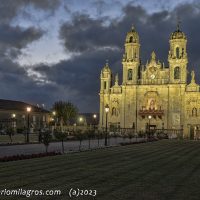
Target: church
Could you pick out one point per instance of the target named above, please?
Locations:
(151, 95)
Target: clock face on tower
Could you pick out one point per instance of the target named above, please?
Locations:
(152, 72)
(152, 76)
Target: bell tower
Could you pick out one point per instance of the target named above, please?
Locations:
(131, 57)
(177, 57)
(105, 86)
(106, 77)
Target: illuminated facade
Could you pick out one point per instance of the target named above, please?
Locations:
(151, 90)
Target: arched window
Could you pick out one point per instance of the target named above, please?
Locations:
(105, 85)
(182, 52)
(131, 39)
(194, 112)
(130, 74)
(177, 73)
(177, 52)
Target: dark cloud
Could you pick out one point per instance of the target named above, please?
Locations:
(15, 84)
(13, 39)
(84, 33)
(15, 81)
(80, 76)
(9, 8)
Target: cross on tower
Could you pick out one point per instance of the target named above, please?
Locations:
(106, 62)
(178, 23)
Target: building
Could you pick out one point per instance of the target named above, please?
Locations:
(13, 114)
(151, 95)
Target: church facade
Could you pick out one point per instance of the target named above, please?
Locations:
(151, 94)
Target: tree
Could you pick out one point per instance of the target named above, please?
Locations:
(115, 136)
(79, 136)
(10, 132)
(90, 134)
(60, 136)
(136, 136)
(124, 136)
(65, 111)
(99, 135)
(130, 136)
(46, 139)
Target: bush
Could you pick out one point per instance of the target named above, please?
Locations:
(46, 138)
(21, 130)
(139, 142)
(23, 157)
(61, 137)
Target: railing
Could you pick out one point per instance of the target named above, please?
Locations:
(153, 81)
(151, 112)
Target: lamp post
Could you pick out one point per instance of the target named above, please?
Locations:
(13, 120)
(74, 127)
(94, 117)
(28, 109)
(149, 122)
(106, 110)
(80, 120)
(54, 115)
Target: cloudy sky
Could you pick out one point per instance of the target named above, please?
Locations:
(54, 49)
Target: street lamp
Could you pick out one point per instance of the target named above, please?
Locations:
(28, 109)
(74, 127)
(80, 120)
(13, 120)
(149, 122)
(94, 117)
(54, 119)
(106, 110)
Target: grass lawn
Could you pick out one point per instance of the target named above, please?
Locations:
(164, 170)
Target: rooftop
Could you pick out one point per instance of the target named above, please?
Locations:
(19, 106)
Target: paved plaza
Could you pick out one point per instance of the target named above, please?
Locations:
(57, 146)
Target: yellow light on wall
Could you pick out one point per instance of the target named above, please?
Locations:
(107, 108)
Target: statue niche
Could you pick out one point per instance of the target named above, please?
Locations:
(151, 105)
(130, 74)
(177, 73)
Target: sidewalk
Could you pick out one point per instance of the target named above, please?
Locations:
(57, 146)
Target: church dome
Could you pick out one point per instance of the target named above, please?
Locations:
(178, 34)
(132, 36)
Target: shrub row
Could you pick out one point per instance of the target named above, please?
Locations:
(23, 157)
(138, 142)
(18, 143)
